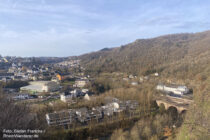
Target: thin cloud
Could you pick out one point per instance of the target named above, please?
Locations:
(67, 27)
(46, 10)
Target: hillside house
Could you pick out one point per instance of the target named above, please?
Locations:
(59, 77)
(12, 70)
(81, 83)
(21, 97)
(6, 75)
(125, 79)
(87, 97)
(156, 74)
(134, 83)
(55, 79)
(131, 76)
(141, 79)
(62, 76)
(77, 93)
(66, 97)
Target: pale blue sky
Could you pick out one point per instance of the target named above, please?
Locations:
(74, 27)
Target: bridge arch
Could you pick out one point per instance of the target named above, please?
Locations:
(168, 105)
(162, 107)
(173, 112)
(172, 109)
(183, 111)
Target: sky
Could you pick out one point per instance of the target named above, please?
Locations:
(74, 27)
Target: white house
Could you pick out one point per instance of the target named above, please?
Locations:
(141, 79)
(86, 97)
(156, 74)
(134, 83)
(125, 79)
(85, 90)
(131, 76)
(65, 97)
(75, 92)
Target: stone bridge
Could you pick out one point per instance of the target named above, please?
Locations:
(179, 103)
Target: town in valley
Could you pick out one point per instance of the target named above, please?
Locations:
(54, 81)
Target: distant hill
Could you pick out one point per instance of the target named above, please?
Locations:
(106, 49)
(145, 56)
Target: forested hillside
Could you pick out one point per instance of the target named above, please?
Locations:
(181, 57)
(148, 55)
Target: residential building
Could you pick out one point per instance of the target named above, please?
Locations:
(85, 90)
(66, 97)
(66, 117)
(61, 76)
(134, 83)
(21, 97)
(81, 83)
(87, 97)
(76, 93)
(55, 79)
(125, 79)
(141, 79)
(7, 75)
(156, 74)
(131, 76)
(85, 115)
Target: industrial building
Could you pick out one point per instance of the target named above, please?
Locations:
(178, 90)
(41, 86)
